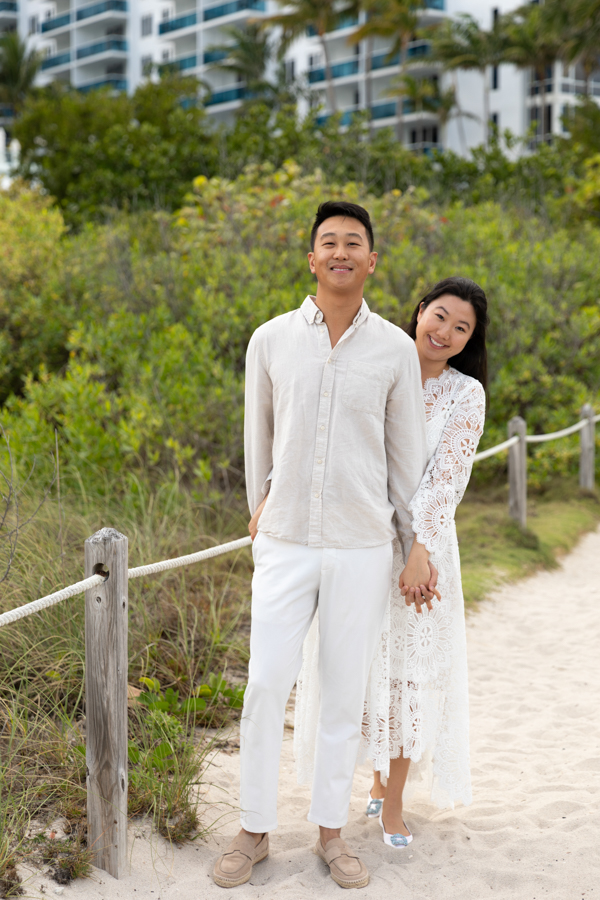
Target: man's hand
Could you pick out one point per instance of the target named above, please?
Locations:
(419, 578)
(253, 523)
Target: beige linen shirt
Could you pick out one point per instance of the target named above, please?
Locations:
(341, 432)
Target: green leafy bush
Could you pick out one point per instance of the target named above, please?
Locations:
(165, 306)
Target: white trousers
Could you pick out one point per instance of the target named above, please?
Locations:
(351, 588)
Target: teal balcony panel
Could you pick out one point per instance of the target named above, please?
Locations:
(56, 22)
(383, 110)
(338, 70)
(8, 6)
(112, 45)
(212, 56)
(345, 22)
(226, 96)
(179, 65)
(227, 9)
(418, 51)
(59, 60)
(383, 60)
(180, 22)
(435, 4)
(117, 84)
(96, 9)
(346, 118)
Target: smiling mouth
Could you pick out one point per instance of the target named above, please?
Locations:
(341, 269)
(435, 344)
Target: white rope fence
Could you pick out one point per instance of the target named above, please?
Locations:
(154, 568)
(81, 586)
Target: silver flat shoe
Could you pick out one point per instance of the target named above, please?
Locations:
(398, 841)
(373, 807)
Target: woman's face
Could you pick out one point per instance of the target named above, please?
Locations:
(444, 327)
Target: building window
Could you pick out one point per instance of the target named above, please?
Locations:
(290, 70)
(146, 25)
(495, 16)
(146, 66)
(166, 55)
(495, 120)
(34, 24)
(495, 78)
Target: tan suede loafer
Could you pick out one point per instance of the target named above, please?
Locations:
(235, 865)
(344, 865)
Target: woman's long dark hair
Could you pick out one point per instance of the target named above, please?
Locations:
(472, 360)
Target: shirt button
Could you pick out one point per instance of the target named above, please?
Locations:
(322, 427)
(328, 361)
(317, 496)
(320, 461)
(326, 393)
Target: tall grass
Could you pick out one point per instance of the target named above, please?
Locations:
(184, 625)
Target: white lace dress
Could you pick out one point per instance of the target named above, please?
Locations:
(417, 697)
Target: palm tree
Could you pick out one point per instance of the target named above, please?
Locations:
(447, 108)
(321, 15)
(396, 20)
(461, 44)
(247, 54)
(579, 21)
(18, 69)
(375, 10)
(532, 43)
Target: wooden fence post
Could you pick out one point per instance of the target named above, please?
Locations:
(587, 438)
(517, 472)
(106, 660)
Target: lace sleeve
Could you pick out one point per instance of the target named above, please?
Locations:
(449, 469)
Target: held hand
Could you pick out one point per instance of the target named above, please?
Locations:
(253, 523)
(419, 578)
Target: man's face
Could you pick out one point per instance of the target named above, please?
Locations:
(341, 259)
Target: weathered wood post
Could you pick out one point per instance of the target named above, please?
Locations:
(587, 438)
(106, 609)
(517, 472)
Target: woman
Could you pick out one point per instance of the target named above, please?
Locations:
(416, 711)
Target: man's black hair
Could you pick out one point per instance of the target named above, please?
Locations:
(342, 208)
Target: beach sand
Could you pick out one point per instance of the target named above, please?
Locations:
(533, 829)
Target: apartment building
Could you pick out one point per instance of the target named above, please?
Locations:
(120, 43)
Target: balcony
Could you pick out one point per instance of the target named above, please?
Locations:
(8, 6)
(345, 22)
(117, 84)
(61, 59)
(338, 70)
(96, 9)
(228, 9)
(383, 60)
(213, 56)
(417, 50)
(383, 110)
(346, 118)
(176, 24)
(237, 93)
(56, 22)
(112, 45)
(179, 65)
(435, 4)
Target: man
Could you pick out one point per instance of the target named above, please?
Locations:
(335, 436)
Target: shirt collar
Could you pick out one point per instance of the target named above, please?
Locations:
(312, 313)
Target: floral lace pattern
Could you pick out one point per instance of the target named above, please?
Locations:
(417, 697)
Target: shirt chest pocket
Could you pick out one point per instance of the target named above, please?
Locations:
(366, 388)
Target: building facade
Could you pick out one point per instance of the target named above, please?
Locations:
(120, 43)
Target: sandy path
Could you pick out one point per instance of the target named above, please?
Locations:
(532, 830)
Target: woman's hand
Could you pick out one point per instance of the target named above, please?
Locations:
(416, 578)
(253, 523)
